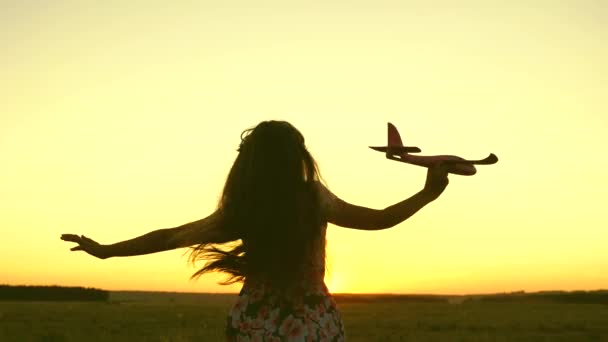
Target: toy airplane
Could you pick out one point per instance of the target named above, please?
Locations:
(396, 151)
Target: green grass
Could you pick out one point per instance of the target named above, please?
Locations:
(191, 317)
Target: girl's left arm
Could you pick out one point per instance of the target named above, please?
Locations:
(207, 230)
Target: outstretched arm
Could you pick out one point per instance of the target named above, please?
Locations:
(206, 230)
(348, 215)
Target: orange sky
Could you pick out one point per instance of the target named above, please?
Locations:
(121, 118)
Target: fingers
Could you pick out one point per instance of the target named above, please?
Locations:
(84, 243)
(70, 237)
(441, 168)
(77, 238)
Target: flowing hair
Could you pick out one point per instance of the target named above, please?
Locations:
(271, 202)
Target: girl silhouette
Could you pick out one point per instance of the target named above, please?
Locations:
(268, 232)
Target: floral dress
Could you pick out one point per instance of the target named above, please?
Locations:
(263, 314)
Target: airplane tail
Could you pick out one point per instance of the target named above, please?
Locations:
(394, 139)
(395, 145)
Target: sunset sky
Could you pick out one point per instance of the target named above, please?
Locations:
(118, 118)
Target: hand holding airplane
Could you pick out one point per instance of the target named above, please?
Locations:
(456, 165)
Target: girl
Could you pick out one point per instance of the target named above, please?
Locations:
(268, 232)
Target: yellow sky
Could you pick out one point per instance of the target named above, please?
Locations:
(120, 118)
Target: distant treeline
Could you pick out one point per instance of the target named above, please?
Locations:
(576, 297)
(414, 298)
(52, 293)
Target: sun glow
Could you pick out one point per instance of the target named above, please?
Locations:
(334, 282)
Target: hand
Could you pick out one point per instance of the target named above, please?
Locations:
(87, 245)
(436, 180)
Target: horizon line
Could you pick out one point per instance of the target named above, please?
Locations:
(336, 293)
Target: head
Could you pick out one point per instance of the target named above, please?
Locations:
(271, 202)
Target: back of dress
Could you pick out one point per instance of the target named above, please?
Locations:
(304, 311)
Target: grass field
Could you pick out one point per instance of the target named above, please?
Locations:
(133, 316)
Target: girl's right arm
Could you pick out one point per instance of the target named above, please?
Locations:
(349, 215)
(206, 230)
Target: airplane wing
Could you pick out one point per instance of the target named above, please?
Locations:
(396, 149)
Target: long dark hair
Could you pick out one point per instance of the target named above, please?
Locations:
(271, 202)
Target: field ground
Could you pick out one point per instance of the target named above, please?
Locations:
(133, 316)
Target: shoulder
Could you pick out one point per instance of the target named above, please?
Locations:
(327, 199)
